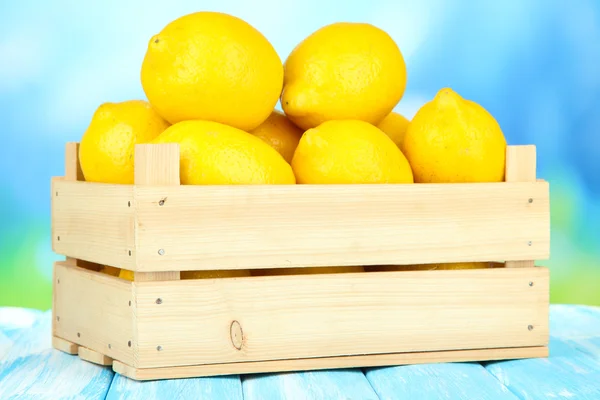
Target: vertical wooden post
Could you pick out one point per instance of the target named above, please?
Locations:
(520, 167)
(156, 164)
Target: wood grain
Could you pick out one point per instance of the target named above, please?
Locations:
(156, 165)
(94, 310)
(282, 366)
(521, 167)
(93, 356)
(238, 227)
(331, 385)
(324, 315)
(94, 222)
(64, 345)
(443, 381)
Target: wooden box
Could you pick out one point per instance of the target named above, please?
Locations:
(159, 326)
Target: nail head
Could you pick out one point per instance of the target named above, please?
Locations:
(530, 200)
(129, 343)
(109, 346)
(78, 334)
(529, 243)
(530, 327)
(161, 203)
(161, 252)
(159, 301)
(530, 283)
(159, 348)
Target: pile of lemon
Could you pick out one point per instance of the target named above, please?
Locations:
(213, 82)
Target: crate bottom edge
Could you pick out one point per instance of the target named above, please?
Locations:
(322, 363)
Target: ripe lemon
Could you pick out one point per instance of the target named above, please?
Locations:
(279, 133)
(452, 139)
(343, 71)
(230, 273)
(126, 274)
(395, 126)
(349, 151)
(215, 154)
(107, 269)
(306, 270)
(212, 66)
(430, 267)
(107, 146)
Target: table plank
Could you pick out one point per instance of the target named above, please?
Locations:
(573, 321)
(327, 384)
(437, 381)
(573, 369)
(31, 369)
(226, 387)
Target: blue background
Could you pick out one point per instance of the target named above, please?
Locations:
(535, 65)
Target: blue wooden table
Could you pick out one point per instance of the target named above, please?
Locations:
(31, 369)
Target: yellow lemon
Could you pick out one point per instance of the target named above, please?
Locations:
(343, 71)
(107, 147)
(107, 269)
(230, 273)
(215, 154)
(306, 270)
(280, 133)
(212, 66)
(349, 151)
(126, 274)
(395, 126)
(452, 139)
(430, 267)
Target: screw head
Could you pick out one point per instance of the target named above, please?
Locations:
(159, 348)
(530, 201)
(529, 243)
(530, 327)
(161, 252)
(159, 301)
(530, 283)
(161, 203)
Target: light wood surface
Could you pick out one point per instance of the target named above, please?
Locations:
(238, 227)
(328, 363)
(323, 315)
(156, 165)
(521, 167)
(94, 310)
(93, 356)
(64, 345)
(94, 222)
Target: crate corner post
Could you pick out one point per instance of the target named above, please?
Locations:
(158, 165)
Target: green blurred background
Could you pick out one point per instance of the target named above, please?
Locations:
(533, 64)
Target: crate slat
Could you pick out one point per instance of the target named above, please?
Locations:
(308, 364)
(284, 317)
(93, 310)
(229, 227)
(94, 222)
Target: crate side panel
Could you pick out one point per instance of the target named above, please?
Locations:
(94, 222)
(283, 317)
(93, 310)
(220, 227)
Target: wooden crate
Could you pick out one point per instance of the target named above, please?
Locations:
(159, 326)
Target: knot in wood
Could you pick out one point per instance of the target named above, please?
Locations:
(237, 335)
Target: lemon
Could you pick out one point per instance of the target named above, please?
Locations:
(215, 154)
(395, 126)
(343, 71)
(230, 273)
(126, 274)
(107, 146)
(107, 269)
(451, 139)
(349, 151)
(279, 133)
(212, 66)
(430, 267)
(306, 270)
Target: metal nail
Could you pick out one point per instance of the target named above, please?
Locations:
(529, 243)
(159, 348)
(530, 327)
(530, 200)
(159, 301)
(161, 252)
(129, 343)
(530, 283)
